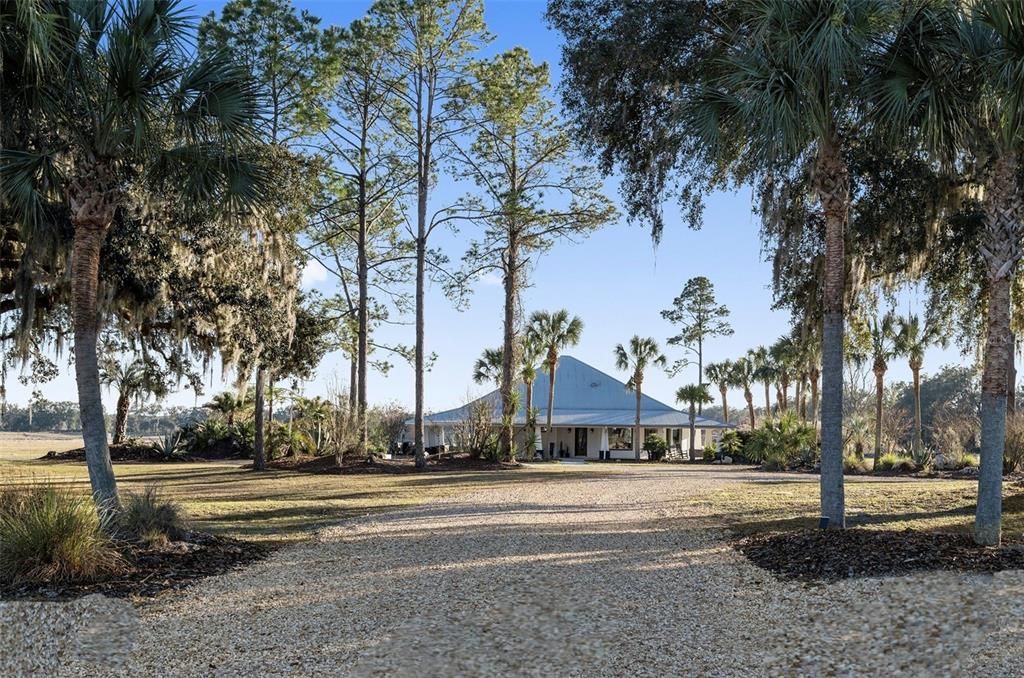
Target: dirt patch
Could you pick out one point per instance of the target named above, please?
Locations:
(830, 555)
(357, 465)
(153, 571)
(132, 450)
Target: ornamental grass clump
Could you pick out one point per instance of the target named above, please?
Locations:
(896, 463)
(149, 518)
(51, 534)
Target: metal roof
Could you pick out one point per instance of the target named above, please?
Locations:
(584, 396)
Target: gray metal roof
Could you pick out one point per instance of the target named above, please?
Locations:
(584, 396)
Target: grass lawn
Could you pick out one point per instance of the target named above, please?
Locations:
(779, 503)
(228, 499)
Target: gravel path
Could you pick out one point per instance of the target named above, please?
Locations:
(583, 574)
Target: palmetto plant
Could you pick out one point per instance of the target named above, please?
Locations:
(553, 332)
(641, 353)
(954, 79)
(911, 341)
(693, 394)
(112, 107)
(721, 375)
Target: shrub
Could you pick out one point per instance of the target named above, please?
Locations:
(895, 462)
(731, 443)
(50, 534)
(710, 451)
(969, 460)
(149, 518)
(1013, 450)
(786, 441)
(656, 447)
(854, 464)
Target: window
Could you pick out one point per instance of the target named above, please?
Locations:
(677, 438)
(620, 439)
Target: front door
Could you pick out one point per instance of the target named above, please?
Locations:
(581, 442)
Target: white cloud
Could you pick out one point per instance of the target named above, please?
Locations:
(313, 273)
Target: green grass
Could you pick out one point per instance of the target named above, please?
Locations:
(875, 503)
(226, 498)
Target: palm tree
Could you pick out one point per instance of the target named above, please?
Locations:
(882, 332)
(720, 374)
(134, 381)
(529, 363)
(693, 394)
(953, 80)
(912, 340)
(764, 372)
(743, 376)
(228, 405)
(552, 332)
(781, 97)
(783, 353)
(643, 352)
(488, 366)
(121, 91)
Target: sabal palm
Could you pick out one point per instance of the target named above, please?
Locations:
(553, 332)
(640, 354)
(693, 394)
(911, 341)
(488, 366)
(720, 374)
(532, 351)
(882, 333)
(783, 93)
(109, 99)
(954, 79)
(764, 372)
(133, 381)
(785, 359)
(743, 376)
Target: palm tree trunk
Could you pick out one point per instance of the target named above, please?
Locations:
(85, 274)
(767, 399)
(553, 362)
(693, 432)
(918, 440)
(725, 406)
(833, 188)
(749, 397)
(121, 418)
(531, 428)
(1001, 248)
(879, 393)
(259, 461)
(638, 437)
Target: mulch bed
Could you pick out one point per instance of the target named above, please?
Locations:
(361, 465)
(122, 452)
(830, 555)
(154, 571)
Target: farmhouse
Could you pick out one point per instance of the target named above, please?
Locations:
(593, 417)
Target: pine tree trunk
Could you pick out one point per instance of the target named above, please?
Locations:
(421, 265)
(353, 388)
(531, 428)
(508, 358)
(1001, 247)
(833, 190)
(363, 331)
(259, 457)
(91, 219)
(700, 369)
(879, 394)
(270, 413)
(121, 418)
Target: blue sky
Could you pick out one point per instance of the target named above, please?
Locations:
(616, 281)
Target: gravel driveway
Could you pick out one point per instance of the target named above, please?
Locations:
(585, 573)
